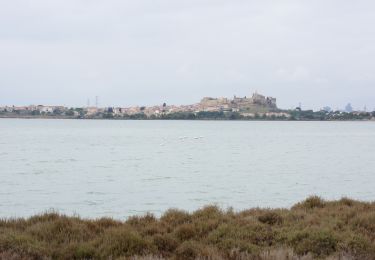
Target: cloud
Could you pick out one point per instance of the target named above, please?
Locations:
(145, 51)
(296, 74)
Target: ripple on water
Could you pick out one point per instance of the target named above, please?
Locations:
(96, 193)
(43, 161)
(103, 166)
(6, 193)
(59, 161)
(198, 200)
(91, 202)
(201, 191)
(157, 179)
(37, 172)
(10, 183)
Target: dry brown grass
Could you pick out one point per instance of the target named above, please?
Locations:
(312, 229)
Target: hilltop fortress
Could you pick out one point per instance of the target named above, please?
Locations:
(255, 104)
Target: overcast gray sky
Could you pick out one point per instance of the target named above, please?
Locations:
(143, 52)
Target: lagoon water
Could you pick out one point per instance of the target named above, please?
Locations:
(99, 168)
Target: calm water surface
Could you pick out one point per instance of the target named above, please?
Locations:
(121, 168)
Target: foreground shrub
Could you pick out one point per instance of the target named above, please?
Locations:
(81, 251)
(22, 245)
(208, 212)
(174, 217)
(60, 231)
(122, 242)
(311, 203)
(359, 246)
(311, 229)
(347, 202)
(365, 222)
(319, 243)
(270, 218)
(188, 250)
(185, 232)
(166, 243)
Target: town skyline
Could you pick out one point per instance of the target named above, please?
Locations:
(95, 101)
(218, 105)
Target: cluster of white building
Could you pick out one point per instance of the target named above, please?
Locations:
(31, 108)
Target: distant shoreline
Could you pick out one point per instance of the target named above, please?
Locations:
(256, 107)
(180, 119)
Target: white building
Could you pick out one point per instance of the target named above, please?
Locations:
(46, 109)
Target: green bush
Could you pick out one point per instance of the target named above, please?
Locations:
(185, 232)
(311, 203)
(359, 246)
(122, 242)
(270, 218)
(319, 243)
(188, 250)
(174, 217)
(165, 243)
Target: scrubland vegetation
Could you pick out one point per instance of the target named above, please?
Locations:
(312, 229)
